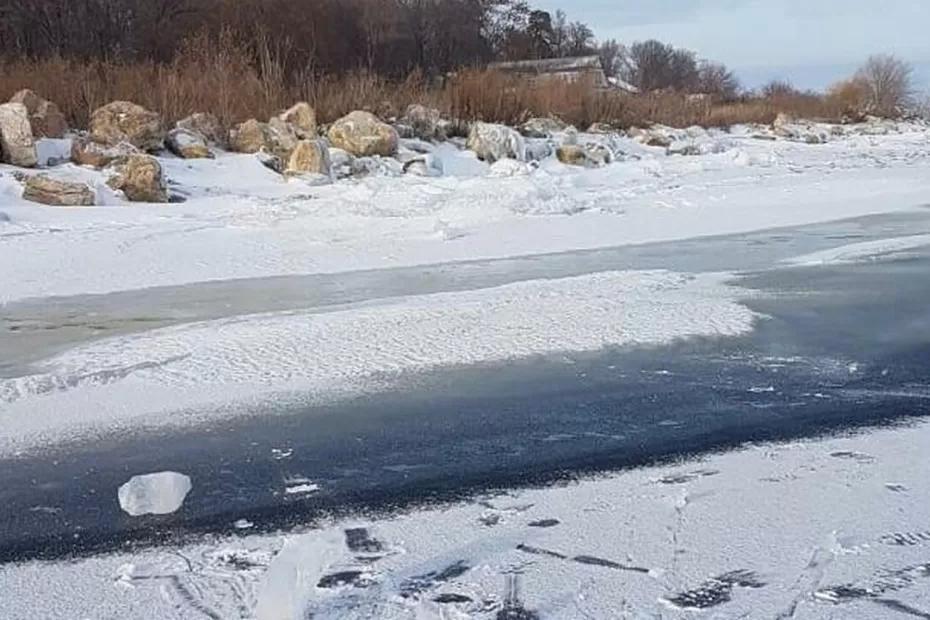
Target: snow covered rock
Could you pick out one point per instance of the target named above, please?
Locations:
(86, 152)
(48, 191)
(542, 127)
(363, 135)
(656, 136)
(590, 155)
(188, 144)
(308, 157)
(601, 128)
(789, 128)
(782, 125)
(424, 165)
(341, 163)
(141, 179)
(377, 166)
(503, 168)
(45, 117)
(17, 145)
(425, 123)
(492, 142)
(207, 125)
(302, 117)
(154, 494)
(124, 121)
(686, 149)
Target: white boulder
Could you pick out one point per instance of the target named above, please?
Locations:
(491, 142)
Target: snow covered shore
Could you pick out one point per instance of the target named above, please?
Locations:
(242, 220)
(809, 530)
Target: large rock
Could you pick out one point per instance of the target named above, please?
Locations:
(302, 117)
(425, 123)
(589, 155)
(281, 138)
(123, 121)
(48, 191)
(17, 145)
(309, 157)
(45, 117)
(207, 125)
(782, 126)
(493, 142)
(541, 127)
(188, 144)
(86, 152)
(248, 137)
(141, 179)
(363, 135)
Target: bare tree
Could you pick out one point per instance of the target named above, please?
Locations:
(653, 65)
(888, 80)
(610, 52)
(715, 79)
(580, 40)
(779, 89)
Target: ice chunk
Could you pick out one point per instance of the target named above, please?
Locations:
(154, 494)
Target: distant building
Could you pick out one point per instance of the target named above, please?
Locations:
(566, 69)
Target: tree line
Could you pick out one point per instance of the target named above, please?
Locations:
(388, 37)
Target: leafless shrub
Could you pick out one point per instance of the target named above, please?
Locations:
(888, 81)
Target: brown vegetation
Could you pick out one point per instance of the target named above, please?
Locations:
(222, 81)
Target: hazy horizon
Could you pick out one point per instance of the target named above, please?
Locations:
(761, 40)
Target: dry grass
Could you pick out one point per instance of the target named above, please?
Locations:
(237, 82)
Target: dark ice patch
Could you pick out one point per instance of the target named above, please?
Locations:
(684, 478)
(882, 583)
(858, 457)
(903, 608)
(905, 539)
(544, 523)
(715, 591)
(593, 561)
(539, 551)
(489, 520)
(419, 583)
(841, 594)
(359, 540)
(355, 578)
(451, 598)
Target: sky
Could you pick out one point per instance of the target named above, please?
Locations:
(813, 43)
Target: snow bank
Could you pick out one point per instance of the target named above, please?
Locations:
(359, 347)
(860, 252)
(154, 494)
(241, 220)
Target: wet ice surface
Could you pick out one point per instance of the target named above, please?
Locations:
(32, 330)
(791, 530)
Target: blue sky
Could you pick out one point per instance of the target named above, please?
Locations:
(811, 42)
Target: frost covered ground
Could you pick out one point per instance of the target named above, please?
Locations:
(834, 528)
